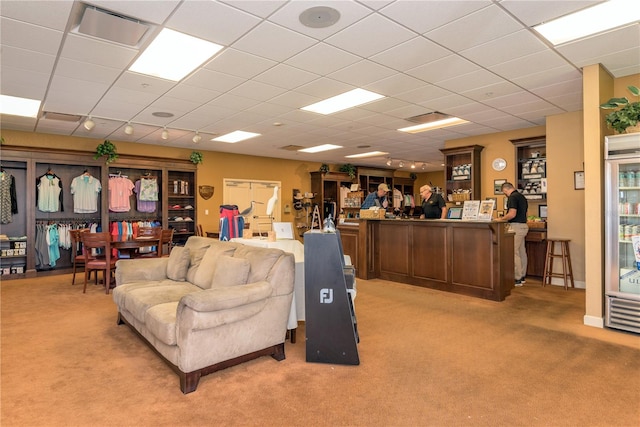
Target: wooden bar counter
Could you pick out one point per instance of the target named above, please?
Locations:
(473, 258)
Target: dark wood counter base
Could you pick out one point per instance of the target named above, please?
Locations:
(470, 258)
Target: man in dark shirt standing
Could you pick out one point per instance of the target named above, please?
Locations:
(516, 215)
(433, 205)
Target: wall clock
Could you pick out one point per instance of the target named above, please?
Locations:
(499, 164)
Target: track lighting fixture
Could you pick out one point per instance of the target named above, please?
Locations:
(89, 123)
(424, 166)
(413, 165)
(128, 129)
(401, 164)
(389, 161)
(165, 133)
(196, 137)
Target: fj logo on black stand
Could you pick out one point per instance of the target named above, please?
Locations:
(326, 296)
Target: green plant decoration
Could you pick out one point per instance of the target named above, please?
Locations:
(1, 140)
(324, 168)
(107, 149)
(196, 157)
(627, 113)
(350, 169)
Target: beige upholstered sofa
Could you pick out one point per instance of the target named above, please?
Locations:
(209, 305)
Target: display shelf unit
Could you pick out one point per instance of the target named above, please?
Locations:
(531, 161)
(370, 178)
(406, 188)
(462, 171)
(326, 188)
(26, 164)
(181, 204)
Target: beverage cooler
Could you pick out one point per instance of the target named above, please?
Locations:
(622, 232)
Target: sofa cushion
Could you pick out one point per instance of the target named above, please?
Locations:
(203, 276)
(138, 301)
(196, 259)
(231, 272)
(261, 259)
(178, 264)
(160, 320)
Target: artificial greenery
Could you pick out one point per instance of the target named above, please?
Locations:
(350, 169)
(196, 157)
(1, 140)
(107, 149)
(627, 113)
(324, 168)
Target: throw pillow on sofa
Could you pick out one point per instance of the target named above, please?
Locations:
(178, 263)
(231, 272)
(196, 258)
(203, 276)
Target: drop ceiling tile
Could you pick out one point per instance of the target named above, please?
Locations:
(409, 110)
(547, 77)
(561, 88)
(223, 24)
(531, 13)
(137, 97)
(536, 62)
(444, 103)
(470, 81)
(85, 49)
(27, 60)
(213, 80)
(443, 68)
(422, 16)
(176, 106)
(324, 88)
(314, 59)
(488, 24)
(241, 64)
(397, 83)
(294, 99)
(192, 93)
(269, 109)
(257, 91)
(29, 37)
(491, 91)
(289, 16)
(567, 102)
(117, 109)
(47, 14)
(504, 49)
(384, 105)
(508, 101)
(87, 71)
(371, 35)
(273, 42)
(423, 94)
(410, 54)
(23, 83)
(259, 8)
(232, 102)
(285, 76)
(86, 95)
(362, 73)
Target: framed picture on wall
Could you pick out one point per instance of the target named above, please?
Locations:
(497, 185)
(542, 211)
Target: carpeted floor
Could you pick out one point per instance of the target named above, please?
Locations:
(428, 358)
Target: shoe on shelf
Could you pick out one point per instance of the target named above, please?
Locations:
(518, 283)
(188, 207)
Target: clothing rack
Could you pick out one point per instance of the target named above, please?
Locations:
(117, 175)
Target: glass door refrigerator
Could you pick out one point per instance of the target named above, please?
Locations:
(622, 232)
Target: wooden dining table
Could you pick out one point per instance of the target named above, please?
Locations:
(131, 245)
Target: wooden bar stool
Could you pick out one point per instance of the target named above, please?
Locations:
(567, 271)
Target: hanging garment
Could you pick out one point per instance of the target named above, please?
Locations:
(53, 242)
(144, 205)
(41, 246)
(229, 224)
(397, 198)
(8, 197)
(120, 189)
(148, 191)
(85, 189)
(49, 193)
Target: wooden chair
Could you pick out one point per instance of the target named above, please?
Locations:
(105, 261)
(166, 239)
(76, 245)
(155, 233)
(199, 230)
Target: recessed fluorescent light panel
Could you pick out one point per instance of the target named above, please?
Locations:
(602, 17)
(369, 154)
(451, 121)
(235, 136)
(173, 55)
(15, 106)
(337, 103)
(319, 148)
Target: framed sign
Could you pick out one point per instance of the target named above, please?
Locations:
(542, 211)
(497, 185)
(578, 180)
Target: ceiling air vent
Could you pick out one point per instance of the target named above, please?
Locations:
(110, 26)
(61, 116)
(428, 117)
(292, 147)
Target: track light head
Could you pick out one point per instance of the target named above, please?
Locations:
(401, 164)
(413, 165)
(165, 134)
(389, 161)
(197, 138)
(424, 166)
(128, 129)
(89, 123)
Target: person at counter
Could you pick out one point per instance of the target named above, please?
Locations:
(433, 205)
(516, 216)
(377, 198)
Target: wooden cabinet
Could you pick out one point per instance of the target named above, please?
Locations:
(462, 172)
(181, 204)
(329, 190)
(370, 178)
(536, 247)
(531, 169)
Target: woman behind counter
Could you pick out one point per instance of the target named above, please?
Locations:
(433, 205)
